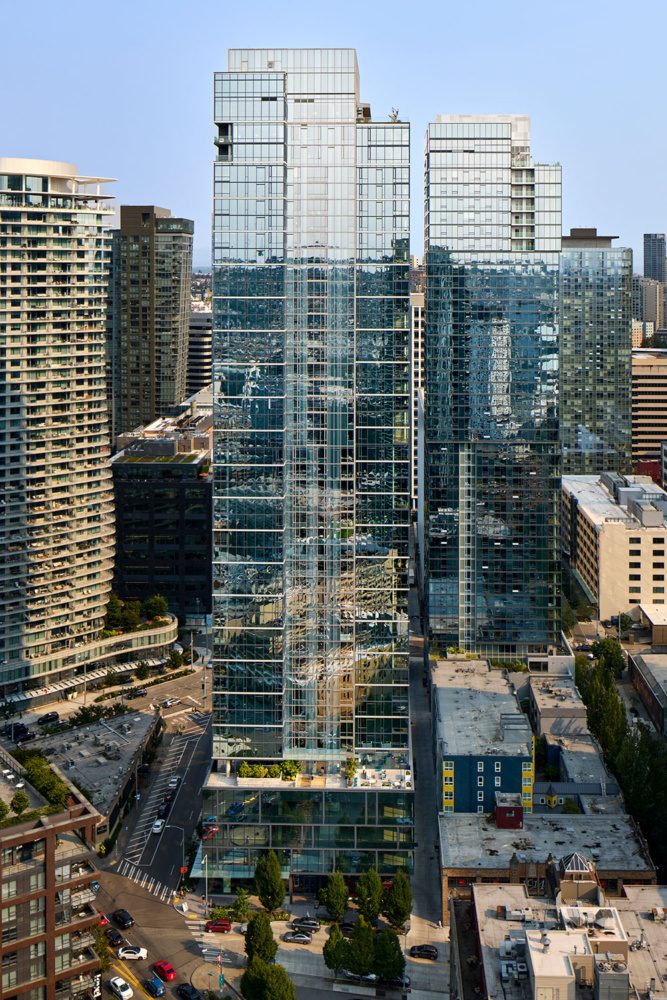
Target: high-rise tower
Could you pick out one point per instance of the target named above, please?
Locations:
(56, 501)
(655, 265)
(311, 459)
(150, 315)
(492, 465)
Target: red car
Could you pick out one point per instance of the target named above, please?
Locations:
(103, 921)
(209, 831)
(165, 970)
(219, 926)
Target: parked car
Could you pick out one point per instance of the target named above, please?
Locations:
(27, 737)
(424, 951)
(130, 952)
(297, 937)
(163, 810)
(103, 921)
(221, 926)
(113, 937)
(188, 992)
(46, 720)
(141, 692)
(306, 923)
(165, 970)
(403, 983)
(120, 988)
(123, 919)
(169, 797)
(154, 987)
(158, 826)
(352, 977)
(174, 782)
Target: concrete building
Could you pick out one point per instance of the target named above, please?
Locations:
(655, 250)
(473, 849)
(642, 333)
(150, 314)
(56, 506)
(48, 918)
(492, 235)
(163, 487)
(416, 396)
(648, 673)
(649, 404)
(311, 318)
(483, 742)
(595, 338)
(555, 705)
(648, 301)
(200, 352)
(613, 536)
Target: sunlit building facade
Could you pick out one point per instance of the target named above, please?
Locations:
(492, 452)
(311, 469)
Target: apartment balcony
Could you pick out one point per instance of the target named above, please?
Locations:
(81, 897)
(66, 917)
(73, 988)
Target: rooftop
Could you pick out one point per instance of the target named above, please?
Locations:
(557, 696)
(471, 842)
(635, 501)
(95, 757)
(366, 778)
(653, 667)
(581, 760)
(477, 711)
(655, 614)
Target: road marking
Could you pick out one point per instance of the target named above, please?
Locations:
(129, 976)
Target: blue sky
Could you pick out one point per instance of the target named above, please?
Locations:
(124, 89)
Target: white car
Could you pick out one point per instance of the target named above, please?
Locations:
(174, 782)
(120, 988)
(131, 951)
(158, 826)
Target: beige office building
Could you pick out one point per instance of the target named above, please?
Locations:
(649, 404)
(613, 533)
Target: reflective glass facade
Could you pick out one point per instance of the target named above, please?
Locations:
(492, 455)
(595, 358)
(311, 440)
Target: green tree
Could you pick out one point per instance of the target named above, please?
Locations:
(369, 895)
(130, 616)
(334, 896)
(269, 884)
(336, 951)
(350, 767)
(361, 949)
(609, 655)
(253, 980)
(101, 946)
(398, 900)
(241, 906)
(278, 986)
(155, 607)
(175, 660)
(143, 671)
(259, 939)
(4, 810)
(389, 957)
(19, 803)
(113, 613)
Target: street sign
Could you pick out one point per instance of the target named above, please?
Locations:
(221, 980)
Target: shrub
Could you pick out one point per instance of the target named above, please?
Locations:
(155, 606)
(19, 802)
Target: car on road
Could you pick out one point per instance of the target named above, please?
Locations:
(158, 826)
(174, 782)
(306, 923)
(352, 977)
(154, 987)
(163, 810)
(168, 702)
(188, 992)
(424, 951)
(141, 692)
(165, 970)
(113, 937)
(123, 919)
(221, 926)
(298, 937)
(120, 988)
(169, 797)
(131, 952)
(46, 720)
(402, 983)
(28, 737)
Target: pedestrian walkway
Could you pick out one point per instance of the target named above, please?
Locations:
(145, 881)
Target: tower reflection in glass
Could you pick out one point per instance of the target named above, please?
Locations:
(311, 455)
(493, 224)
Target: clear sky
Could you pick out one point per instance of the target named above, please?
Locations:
(124, 89)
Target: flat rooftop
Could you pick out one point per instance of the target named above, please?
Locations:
(477, 711)
(654, 669)
(655, 614)
(96, 758)
(557, 696)
(399, 779)
(581, 760)
(600, 506)
(469, 841)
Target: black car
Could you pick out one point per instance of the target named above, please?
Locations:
(162, 810)
(141, 692)
(424, 951)
(48, 719)
(27, 737)
(123, 919)
(16, 731)
(306, 924)
(113, 937)
(398, 984)
(187, 992)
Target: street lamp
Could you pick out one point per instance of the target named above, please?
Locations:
(205, 863)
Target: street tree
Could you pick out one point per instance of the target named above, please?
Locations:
(398, 900)
(259, 938)
(334, 896)
(241, 905)
(361, 949)
(269, 883)
(336, 951)
(389, 957)
(369, 895)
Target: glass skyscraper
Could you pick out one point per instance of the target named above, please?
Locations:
(595, 318)
(493, 222)
(311, 470)
(655, 262)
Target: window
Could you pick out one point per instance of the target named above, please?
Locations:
(448, 765)
(658, 541)
(658, 576)
(635, 565)
(635, 576)
(480, 765)
(635, 541)
(480, 782)
(449, 796)
(658, 565)
(635, 552)
(635, 590)
(480, 809)
(480, 796)
(498, 780)
(497, 765)
(658, 590)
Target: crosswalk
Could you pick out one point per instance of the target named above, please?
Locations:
(145, 881)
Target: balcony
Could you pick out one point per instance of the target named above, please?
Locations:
(77, 987)
(65, 917)
(82, 897)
